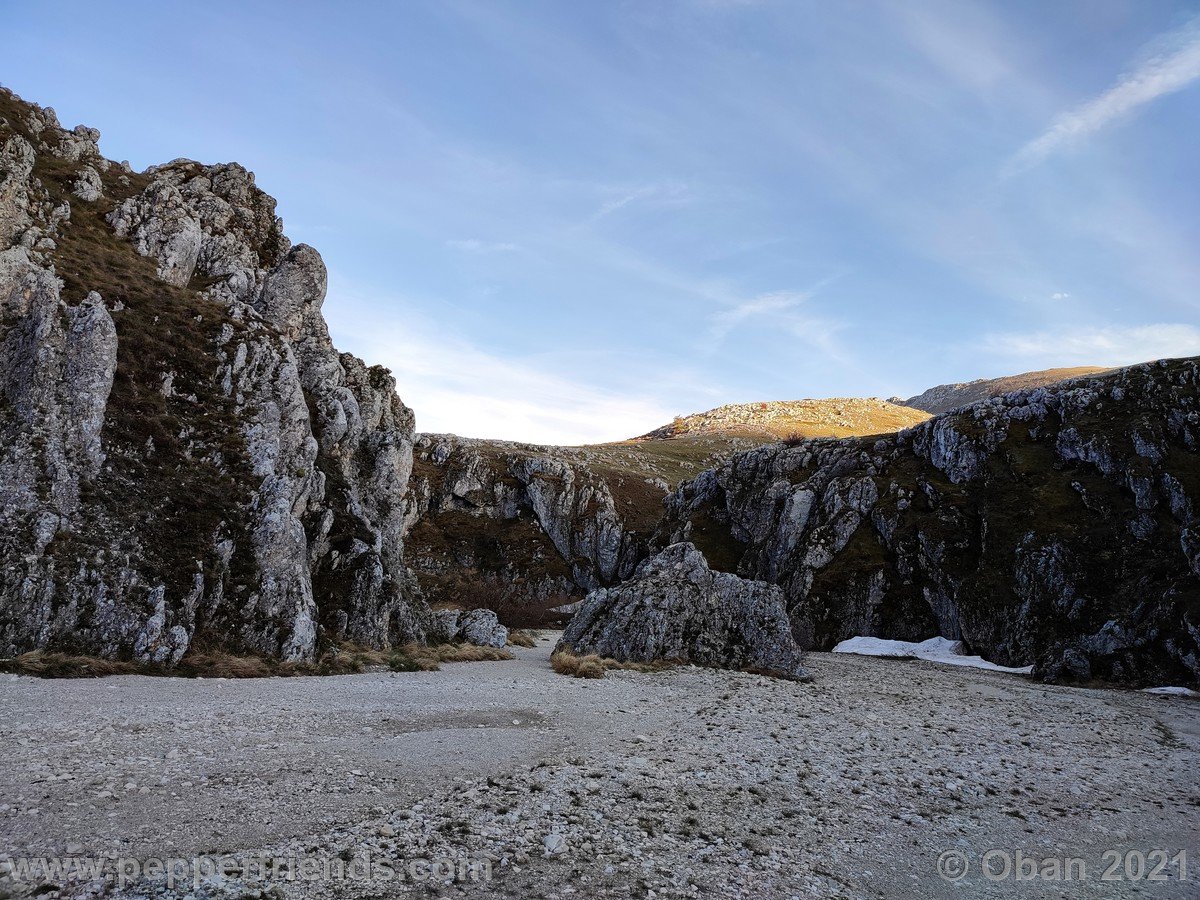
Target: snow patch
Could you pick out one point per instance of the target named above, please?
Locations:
(1172, 691)
(937, 649)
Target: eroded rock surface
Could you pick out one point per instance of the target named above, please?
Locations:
(675, 608)
(186, 457)
(1055, 527)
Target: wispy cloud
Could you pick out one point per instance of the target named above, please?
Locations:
(472, 245)
(725, 320)
(784, 311)
(1110, 346)
(1164, 73)
(667, 194)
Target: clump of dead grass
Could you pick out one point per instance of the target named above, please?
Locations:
(348, 659)
(40, 664)
(592, 665)
(428, 658)
(520, 638)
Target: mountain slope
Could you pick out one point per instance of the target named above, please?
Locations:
(1058, 527)
(945, 397)
(186, 460)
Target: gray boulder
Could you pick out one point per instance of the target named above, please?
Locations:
(443, 626)
(482, 628)
(675, 608)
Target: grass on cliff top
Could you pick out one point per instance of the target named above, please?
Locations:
(350, 660)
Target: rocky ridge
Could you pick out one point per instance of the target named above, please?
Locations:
(837, 417)
(186, 457)
(945, 397)
(1056, 527)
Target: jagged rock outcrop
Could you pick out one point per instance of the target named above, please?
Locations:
(1056, 527)
(675, 608)
(187, 459)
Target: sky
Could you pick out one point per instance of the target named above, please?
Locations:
(570, 221)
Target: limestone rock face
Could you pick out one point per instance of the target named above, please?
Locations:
(184, 451)
(675, 608)
(88, 186)
(1054, 527)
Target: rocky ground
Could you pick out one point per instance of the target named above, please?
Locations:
(687, 783)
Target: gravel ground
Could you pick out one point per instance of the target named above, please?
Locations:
(687, 783)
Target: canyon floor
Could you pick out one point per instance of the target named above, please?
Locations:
(678, 784)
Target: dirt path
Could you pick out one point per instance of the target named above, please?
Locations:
(690, 783)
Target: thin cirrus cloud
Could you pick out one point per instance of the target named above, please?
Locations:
(473, 245)
(721, 323)
(660, 195)
(1108, 346)
(784, 312)
(1164, 73)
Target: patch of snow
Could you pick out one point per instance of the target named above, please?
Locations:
(1172, 691)
(937, 649)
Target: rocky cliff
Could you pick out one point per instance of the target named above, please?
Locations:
(525, 527)
(1058, 527)
(186, 459)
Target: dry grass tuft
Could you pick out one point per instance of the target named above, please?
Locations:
(216, 664)
(430, 658)
(564, 662)
(40, 664)
(519, 638)
(591, 665)
(349, 659)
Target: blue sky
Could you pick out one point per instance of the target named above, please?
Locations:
(569, 221)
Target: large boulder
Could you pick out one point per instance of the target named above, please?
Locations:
(675, 608)
(477, 626)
